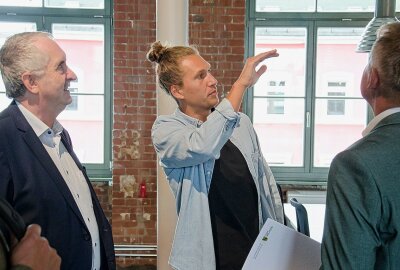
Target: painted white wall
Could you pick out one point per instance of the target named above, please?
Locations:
(172, 27)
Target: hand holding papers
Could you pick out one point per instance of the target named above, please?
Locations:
(278, 247)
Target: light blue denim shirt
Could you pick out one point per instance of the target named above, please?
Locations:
(188, 148)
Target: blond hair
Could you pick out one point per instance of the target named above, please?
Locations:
(167, 61)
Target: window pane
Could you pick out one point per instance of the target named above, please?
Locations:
(285, 6)
(85, 123)
(278, 117)
(21, 3)
(280, 131)
(346, 5)
(10, 28)
(4, 101)
(339, 67)
(335, 132)
(286, 73)
(322, 6)
(96, 4)
(84, 47)
(340, 111)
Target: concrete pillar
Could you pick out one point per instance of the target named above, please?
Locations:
(172, 27)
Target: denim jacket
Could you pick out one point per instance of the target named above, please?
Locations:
(188, 148)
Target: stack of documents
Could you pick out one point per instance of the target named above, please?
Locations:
(278, 247)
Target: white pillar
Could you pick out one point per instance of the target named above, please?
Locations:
(172, 27)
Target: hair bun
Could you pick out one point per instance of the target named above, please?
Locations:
(156, 52)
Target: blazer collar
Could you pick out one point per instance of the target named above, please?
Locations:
(37, 149)
(392, 119)
(375, 121)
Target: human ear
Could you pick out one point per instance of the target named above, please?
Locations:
(373, 78)
(29, 81)
(176, 92)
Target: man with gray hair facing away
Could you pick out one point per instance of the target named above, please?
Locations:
(362, 220)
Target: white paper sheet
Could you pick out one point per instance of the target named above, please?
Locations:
(278, 247)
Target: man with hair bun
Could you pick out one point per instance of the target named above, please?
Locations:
(362, 220)
(210, 153)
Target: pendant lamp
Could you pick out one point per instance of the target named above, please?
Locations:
(384, 13)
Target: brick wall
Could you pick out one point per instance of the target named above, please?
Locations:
(217, 28)
(134, 219)
(104, 194)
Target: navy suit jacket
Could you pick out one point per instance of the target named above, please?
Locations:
(31, 182)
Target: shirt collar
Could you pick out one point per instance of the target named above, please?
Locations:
(194, 121)
(374, 122)
(37, 125)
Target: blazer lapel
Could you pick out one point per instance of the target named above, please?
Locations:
(67, 143)
(40, 152)
(96, 205)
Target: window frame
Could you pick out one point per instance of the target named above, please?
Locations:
(59, 12)
(44, 17)
(311, 21)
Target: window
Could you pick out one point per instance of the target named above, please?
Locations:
(336, 106)
(88, 4)
(287, 127)
(82, 28)
(313, 5)
(74, 104)
(308, 106)
(276, 105)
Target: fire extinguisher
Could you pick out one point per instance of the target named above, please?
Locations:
(142, 190)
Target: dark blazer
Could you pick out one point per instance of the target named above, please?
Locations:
(32, 184)
(362, 219)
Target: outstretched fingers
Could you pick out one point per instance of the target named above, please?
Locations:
(252, 63)
(265, 55)
(261, 71)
